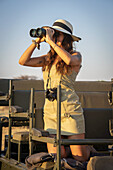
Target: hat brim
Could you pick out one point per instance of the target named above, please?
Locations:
(75, 38)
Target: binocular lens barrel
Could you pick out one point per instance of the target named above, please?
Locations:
(39, 32)
(33, 32)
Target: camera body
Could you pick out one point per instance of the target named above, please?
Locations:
(39, 32)
(51, 94)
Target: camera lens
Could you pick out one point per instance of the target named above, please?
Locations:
(33, 33)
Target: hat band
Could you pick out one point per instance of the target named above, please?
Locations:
(62, 26)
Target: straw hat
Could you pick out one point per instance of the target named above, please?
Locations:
(65, 27)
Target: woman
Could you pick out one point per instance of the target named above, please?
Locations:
(60, 66)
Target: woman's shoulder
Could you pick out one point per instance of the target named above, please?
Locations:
(74, 52)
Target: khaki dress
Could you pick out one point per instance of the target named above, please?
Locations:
(72, 118)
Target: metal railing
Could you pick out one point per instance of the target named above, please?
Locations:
(55, 141)
(58, 141)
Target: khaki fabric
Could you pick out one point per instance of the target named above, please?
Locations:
(100, 163)
(28, 84)
(94, 99)
(93, 86)
(39, 132)
(72, 119)
(4, 110)
(21, 136)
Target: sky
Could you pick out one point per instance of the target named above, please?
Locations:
(92, 20)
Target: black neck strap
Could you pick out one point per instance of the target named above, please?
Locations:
(49, 78)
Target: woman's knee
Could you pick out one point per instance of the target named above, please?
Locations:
(80, 152)
(52, 149)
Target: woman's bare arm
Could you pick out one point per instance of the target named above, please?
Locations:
(26, 59)
(76, 61)
(69, 59)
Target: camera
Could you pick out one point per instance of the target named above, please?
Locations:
(51, 94)
(39, 32)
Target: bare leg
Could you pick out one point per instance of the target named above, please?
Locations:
(52, 149)
(79, 152)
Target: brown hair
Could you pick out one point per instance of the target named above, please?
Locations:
(61, 66)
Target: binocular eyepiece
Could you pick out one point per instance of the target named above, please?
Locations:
(39, 32)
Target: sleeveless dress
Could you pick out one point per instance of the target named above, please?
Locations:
(72, 118)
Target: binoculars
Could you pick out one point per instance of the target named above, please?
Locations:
(39, 32)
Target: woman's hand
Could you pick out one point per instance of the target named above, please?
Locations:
(49, 34)
(39, 40)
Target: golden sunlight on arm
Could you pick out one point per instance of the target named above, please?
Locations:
(63, 54)
(26, 59)
(36, 61)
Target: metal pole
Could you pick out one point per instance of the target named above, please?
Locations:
(0, 135)
(112, 111)
(86, 141)
(10, 121)
(111, 120)
(59, 127)
(31, 120)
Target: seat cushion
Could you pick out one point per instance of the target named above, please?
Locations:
(21, 136)
(14, 109)
(39, 132)
(100, 163)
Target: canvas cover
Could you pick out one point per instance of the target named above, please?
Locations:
(92, 94)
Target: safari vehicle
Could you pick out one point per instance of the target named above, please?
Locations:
(24, 100)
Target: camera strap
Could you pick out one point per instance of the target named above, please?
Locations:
(49, 78)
